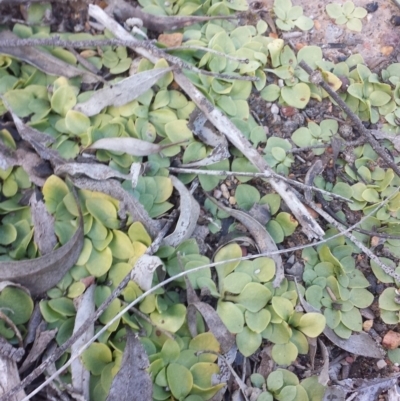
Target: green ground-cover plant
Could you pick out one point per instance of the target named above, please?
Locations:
(348, 14)
(289, 16)
(246, 301)
(334, 285)
(252, 309)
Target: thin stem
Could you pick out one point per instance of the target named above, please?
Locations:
(316, 78)
(205, 49)
(222, 173)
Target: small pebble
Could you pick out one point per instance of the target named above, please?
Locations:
(391, 340)
(232, 200)
(225, 192)
(381, 364)
(367, 325)
(217, 193)
(274, 109)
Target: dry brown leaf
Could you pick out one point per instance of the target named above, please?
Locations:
(43, 223)
(43, 273)
(189, 213)
(262, 237)
(42, 340)
(144, 269)
(132, 382)
(171, 39)
(131, 146)
(92, 170)
(122, 92)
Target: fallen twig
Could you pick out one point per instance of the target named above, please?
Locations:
(223, 173)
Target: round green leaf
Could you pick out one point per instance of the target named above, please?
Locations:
(77, 123)
(170, 351)
(171, 319)
(180, 380)
(271, 93)
(352, 319)
(96, 357)
(235, 282)
(302, 137)
(231, 316)
(248, 341)
(253, 297)
(246, 196)
(334, 10)
(178, 131)
(8, 234)
(387, 300)
(104, 211)
(297, 95)
(283, 307)
(121, 246)
(63, 99)
(99, 262)
(284, 354)
(231, 251)
(361, 298)
(304, 23)
(312, 324)
(16, 304)
(354, 24)
(257, 321)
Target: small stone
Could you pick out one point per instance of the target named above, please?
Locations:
(274, 109)
(225, 192)
(232, 200)
(217, 193)
(171, 39)
(345, 130)
(381, 364)
(386, 50)
(367, 325)
(391, 340)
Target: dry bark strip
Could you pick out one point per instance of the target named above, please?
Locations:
(44, 61)
(224, 125)
(123, 11)
(43, 273)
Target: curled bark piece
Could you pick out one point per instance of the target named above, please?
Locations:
(144, 269)
(81, 376)
(9, 378)
(43, 223)
(43, 273)
(44, 61)
(316, 169)
(124, 10)
(189, 213)
(262, 237)
(96, 171)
